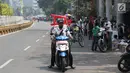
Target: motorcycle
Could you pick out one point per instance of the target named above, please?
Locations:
(124, 62)
(62, 52)
(102, 40)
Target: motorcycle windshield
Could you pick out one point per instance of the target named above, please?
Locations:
(59, 38)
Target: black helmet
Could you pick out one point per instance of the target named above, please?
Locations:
(59, 21)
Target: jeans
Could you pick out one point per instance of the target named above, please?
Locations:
(110, 41)
(94, 43)
(90, 34)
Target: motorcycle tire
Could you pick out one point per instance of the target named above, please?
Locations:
(63, 65)
(102, 46)
(119, 66)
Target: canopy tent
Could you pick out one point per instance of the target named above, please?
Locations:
(55, 17)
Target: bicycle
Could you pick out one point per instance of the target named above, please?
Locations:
(78, 36)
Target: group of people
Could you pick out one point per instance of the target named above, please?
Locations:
(91, 26)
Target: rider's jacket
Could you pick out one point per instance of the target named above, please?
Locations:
(64, 31)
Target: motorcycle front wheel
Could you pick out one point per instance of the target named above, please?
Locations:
(122, 65)
(63, 64)
(102, 46)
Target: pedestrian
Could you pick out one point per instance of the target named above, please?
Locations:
(95, 32)
(86, 21)
(97, 20)
(103, 21)
(91, 24)
(121, 31)
(113, 21)
(107, 24)
(127, 33)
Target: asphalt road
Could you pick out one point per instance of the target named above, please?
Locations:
(28, 51)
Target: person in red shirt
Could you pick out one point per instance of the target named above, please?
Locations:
(91, 24)
(69, 20)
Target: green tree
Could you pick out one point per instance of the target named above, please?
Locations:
(81, 7)
(84, 8)
(54, 6)
(6, 10)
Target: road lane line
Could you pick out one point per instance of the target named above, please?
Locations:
(46, 32)
(6, 63)
(43, 36)
(37, 40)
(27, 48)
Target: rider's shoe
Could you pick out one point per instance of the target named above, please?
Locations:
(93, 50)
(50, 66)
(72, 67)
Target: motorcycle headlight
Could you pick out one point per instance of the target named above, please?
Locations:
(62, 47)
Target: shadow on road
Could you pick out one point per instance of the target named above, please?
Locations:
(48, 69)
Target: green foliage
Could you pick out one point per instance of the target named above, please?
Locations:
(54, 6)
(6, 10)
(84, 8)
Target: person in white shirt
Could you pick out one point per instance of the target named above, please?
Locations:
(57, 31)
(108, 25)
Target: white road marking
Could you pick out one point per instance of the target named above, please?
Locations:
(16, 31)
(43, 36)
(27, 48)
(46, 32)
(37, 40)
(92, 53)
(6, 63)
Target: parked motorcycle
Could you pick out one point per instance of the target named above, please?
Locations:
(124, 62)
(62, 52)
(102, 40)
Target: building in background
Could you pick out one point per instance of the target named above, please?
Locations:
(24, 7)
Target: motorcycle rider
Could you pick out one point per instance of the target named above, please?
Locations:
(56, 31)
